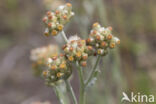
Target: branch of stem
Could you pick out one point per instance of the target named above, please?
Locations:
(93, 71)
(82, 85)
(64, 36)
(70, 89)
(58, 94)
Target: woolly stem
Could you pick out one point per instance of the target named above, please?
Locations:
(82, 85)
(64, 36)
(59, 95)
(93, 71)
(70, 89)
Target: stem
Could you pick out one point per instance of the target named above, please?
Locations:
(80, 73)
(64, 36)
(58, 95)
(93, 71)
(82, 85)
(70, 89)
(67, 83)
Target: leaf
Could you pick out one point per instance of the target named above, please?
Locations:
(91, 83)
(94, 78)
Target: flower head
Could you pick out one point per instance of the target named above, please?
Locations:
(40, 55)
(55, 20)
(57, 69)
(102, 39)
(76, 50)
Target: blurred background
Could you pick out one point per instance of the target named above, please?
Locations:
(130, 68)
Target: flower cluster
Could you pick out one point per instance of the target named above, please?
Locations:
(102, 39)
(76, 50)
(39, 57)
(54, 67)
(58, 69)
(55, 20)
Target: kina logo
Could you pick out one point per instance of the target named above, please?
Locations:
(138, 98)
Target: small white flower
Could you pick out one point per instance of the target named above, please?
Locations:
(101, 29)
(50, 60)
(72, 13)
(58, 61)
(73, 38)
(74, 45)
(46, 30)
(52, 77)
(97, 45)
(91, 39)
(53, 25)
(116, 39)
(65, 11)
(61, 7)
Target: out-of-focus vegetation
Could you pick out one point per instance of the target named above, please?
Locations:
(131, 67)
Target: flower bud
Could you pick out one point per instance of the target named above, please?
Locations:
(85, 56)
(100, 51)
(70, 58)
(112, 45)
(83, 63)
(103, 44)
(54, 32)
(46, 33)
(69, 5)
(45, 19)
(60, 27)
(53, 67)
(109, 37)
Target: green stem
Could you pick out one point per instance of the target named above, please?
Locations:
(64, 36)
(82, 85)
(93, 71)
(70, 89)
(58, 94)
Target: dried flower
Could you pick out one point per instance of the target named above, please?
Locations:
(55, 20)
(102, 39)
(76, 50)
(39, 57)
(57, 69)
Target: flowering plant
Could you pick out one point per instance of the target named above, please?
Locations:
(56, 67)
